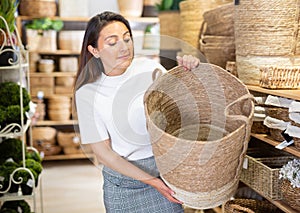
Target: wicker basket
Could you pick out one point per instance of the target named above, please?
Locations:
(68, 150)
(290, 195)
(43, 135)
(274, 77)
(278, 44)
(185, 117)
(38, 8)
(68, 139)
(278, 113)
(249, 206)
(262, 175)
(219, 21)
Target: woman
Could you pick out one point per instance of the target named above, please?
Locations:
(109, 90)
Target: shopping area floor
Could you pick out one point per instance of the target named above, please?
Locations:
(74, 186)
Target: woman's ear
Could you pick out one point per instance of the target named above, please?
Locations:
(93, 51)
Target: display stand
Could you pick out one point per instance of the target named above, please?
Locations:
(18, 130)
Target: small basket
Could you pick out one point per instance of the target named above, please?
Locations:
(276, 134)
(38, 8)
(44, 134)
(68, 139)
(287, 77)
(290, 195)
(68, 150)
(278, 113)
(249, 206)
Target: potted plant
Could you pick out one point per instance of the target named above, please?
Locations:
(290, 184)
(42, 33)
(7, 169)
(8, 39)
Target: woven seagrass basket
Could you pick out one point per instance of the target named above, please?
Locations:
(38, 8)
(277, 45)
(290, 195)
(249, 206)
(199, 123)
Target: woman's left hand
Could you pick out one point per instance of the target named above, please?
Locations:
(189, 62)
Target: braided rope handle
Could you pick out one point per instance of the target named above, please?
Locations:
(241, 208)
(245, 119)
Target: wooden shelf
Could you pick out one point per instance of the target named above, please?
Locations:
(53, 74)
(57, 52)
(292, 94)
(56, 123)
(69, 156)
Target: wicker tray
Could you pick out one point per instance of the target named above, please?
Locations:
(249, 206)
(262, 174)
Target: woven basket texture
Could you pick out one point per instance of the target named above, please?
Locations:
(44, 135)
(278, 113)
(259, 128)
(249, 206)
(218, 49)
(219, 21)
(262, 175)
(231, 67)
(38, 8)
(278, 44)
(68, 139)
(193, 119)
(275, 77)
(290, 195)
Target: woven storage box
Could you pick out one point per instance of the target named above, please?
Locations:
(70, 40)
(278, 113)
(249, 206)
(277, 45)
(41, 40)
(68, 139)
(43, 136)
(38, 8)
(218, 49)
(275, 77)
(219, 21)
(290, 195)
(262, 174)
(193, 139)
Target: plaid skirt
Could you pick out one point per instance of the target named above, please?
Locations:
(123, 194)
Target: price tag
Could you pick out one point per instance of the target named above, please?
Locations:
(284, 144)
(2, 178)
(245, 163)
(30, 183)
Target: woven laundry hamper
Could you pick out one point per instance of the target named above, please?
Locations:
(199, 124)
(277, 45)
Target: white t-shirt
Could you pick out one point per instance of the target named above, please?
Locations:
(112, 108)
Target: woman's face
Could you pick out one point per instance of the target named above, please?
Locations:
(115, 48)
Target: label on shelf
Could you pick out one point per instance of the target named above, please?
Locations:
(245, 163)
(284, 144)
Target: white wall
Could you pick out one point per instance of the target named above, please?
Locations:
(98, 6)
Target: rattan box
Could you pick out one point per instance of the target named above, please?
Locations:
(262, 174)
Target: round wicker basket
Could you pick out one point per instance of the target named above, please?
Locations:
(193, 138)
(44, 134)
(249, 206)
(68, 139)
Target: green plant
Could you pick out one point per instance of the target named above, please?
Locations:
(25, 175)
(16, 206)
(8, 9)
(33, 155)
(10, 95)
(45, 24)
(11, 148)
(33, 165)
(168, 5)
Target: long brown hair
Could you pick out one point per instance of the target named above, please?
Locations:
(90, 68)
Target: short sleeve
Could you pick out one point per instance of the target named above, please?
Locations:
(92, 129)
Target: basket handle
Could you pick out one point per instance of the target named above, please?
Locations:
(241, 208)
(244, 118)
(156, 74)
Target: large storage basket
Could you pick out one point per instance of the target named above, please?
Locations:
(277, 45)
(199, 124)
(262, 174)
(38, 8)
(290, 194)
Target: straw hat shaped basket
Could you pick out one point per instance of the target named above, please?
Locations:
(199, 124)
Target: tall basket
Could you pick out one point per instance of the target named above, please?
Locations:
(199, 124)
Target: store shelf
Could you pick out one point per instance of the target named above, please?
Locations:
(266, 138)
(53, 74)
(57, 52)
(292, 94)
(56, 123)
(68, 157)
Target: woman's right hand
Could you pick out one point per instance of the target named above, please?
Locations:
(160, 186)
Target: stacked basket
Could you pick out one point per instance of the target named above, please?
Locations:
(217, 35)
(59, 108)
(279, 43)
(70, 142)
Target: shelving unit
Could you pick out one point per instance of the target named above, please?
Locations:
(291, 94)
(19, 130)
